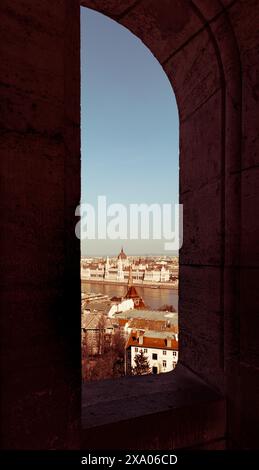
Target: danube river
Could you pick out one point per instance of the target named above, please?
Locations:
(154, 298)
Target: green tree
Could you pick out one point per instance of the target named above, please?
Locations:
(142, 366)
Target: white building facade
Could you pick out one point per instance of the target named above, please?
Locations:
(160, 360)
(124, 306)
(160, 350)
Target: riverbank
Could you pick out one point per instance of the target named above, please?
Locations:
(161, 285)
(154, 298)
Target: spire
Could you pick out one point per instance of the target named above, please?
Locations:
(106, 268)
(130, 280)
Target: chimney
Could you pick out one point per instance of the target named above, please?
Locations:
(141, 338)
(140, 332)
(168, 342)
(134, 334)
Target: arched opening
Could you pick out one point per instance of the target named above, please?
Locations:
(186, 39)
(130, 197)
(209, 50)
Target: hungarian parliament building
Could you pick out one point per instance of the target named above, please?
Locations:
(121, 268)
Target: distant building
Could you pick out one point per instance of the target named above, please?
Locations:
(106, 268)
(122, 257)
(144, 324)
(157, 274)
(97, 332)
(133, 294)
(160, 348)
(120, 306)
(169, 319)
(118, 269)
(98, 303)
(120, 273)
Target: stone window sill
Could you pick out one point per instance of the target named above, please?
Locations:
(167, 411)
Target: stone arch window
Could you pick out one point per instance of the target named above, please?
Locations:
(129, 150)
(193, 41)
(209, 50)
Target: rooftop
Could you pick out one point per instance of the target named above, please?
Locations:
(147, 325)
(92, 321)
(156, 340)
(160, 334)
(172, 317)
(98, 306)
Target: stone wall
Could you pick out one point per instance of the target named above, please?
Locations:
(209, 49)
(40, 188)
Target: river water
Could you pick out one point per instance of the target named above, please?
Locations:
(154, 298)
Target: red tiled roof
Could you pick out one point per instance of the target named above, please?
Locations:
(121, 321)
(132, 293)
(138, 301)
(156, 343)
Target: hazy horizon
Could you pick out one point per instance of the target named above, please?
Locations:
(141, 255)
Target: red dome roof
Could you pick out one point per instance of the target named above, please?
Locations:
(122, 255)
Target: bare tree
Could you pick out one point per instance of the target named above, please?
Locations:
(110, 360)
(101, 335)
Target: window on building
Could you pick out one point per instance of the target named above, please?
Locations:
(136, 349)
(164, 353)
(174, 353)
(164, 363)
(154, 357)
(145, 351)
(174, 364)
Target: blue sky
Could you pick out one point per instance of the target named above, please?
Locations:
(129, 126)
